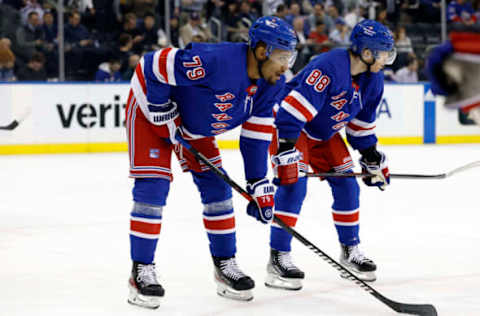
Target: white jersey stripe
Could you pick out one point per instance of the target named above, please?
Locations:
(346, 223)
(171, 66)
(146, 220)
(256, 135)
(261, 120)
(156, 68)
(143, 235)
(286, 213)
(293, 111)
(220, 231)
(363, 123)
(359, 133)
(218, 218)
(306, 104)
(345, 212)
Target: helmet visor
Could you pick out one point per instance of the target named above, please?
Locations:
(283, 57)
(387, 57)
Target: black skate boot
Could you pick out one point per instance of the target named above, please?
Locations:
(282, 273)
(144, 288)
(354, 260)
(231, 281)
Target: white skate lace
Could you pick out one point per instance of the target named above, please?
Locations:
(356, 255)
(147, 274)
(285, 260)
(230, 269)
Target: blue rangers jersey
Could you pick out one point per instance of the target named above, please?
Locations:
(212, 90)
(323, 98)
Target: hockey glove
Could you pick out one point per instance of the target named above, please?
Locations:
(262, 206)
(375, 162)
(285, 167)
(453, 71)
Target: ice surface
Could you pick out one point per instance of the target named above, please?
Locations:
(64, 248)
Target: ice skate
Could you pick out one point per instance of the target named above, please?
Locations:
(282, 273)
(145, 291)
(231, 281)
(355, 261)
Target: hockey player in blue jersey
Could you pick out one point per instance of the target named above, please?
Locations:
(205, 90)
(336, 89)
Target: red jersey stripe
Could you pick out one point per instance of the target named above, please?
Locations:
(227, 223)
(299, 106)
(146, 228)
(258, 127)
(289, 220)
(346, 218)
(162, 63)
(141, 79)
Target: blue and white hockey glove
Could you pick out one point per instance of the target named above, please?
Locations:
(262, 207)
(285, 167)
(375, 162)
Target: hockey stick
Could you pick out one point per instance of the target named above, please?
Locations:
(397, 175)
(414, 309)
(10, 126)
(16, 121)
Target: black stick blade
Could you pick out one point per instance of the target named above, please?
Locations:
(412, 309)
(10, 126)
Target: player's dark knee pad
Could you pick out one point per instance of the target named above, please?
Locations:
(345, 192)
(211, 187)
(152, 191)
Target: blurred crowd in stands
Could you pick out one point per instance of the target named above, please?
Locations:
(104, 39)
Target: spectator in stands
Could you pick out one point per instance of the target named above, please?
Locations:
(295, 12)
(34, 70)
(29, 38)
(381, 16)
(245, 18)
(409, 73)
(303, 49)
(341, 34)
(49, 47)
(49, 28)
(150, 33)
(124, 51)
(430, 11)
(318, 38)
(332, 12)
(132, 64)
(130, 27)
(461, 11)
(174, 31)
(76, 34)
(245, 12)
(402, 41)
(230, 19)
(190, 6)
(320, 15)
(142, 7)
(7, 61)
(31, 6)
(194, 27)
(281, 11)
(271, 6)
(109, 71)
(354, 15)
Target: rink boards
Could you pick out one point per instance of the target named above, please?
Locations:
(89, 117)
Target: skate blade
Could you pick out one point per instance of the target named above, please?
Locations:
(227, 292)
(364, 276)
(278, 282)
(135, 298)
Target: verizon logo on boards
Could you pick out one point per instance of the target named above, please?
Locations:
(88, 115)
